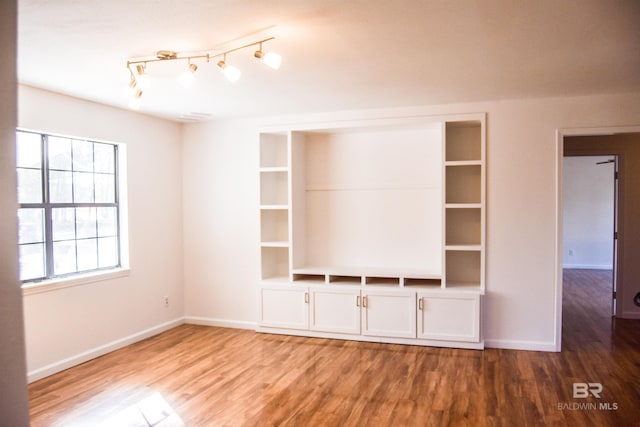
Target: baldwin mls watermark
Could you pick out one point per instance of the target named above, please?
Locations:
(587, 391)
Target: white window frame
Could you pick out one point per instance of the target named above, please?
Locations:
(101, 274)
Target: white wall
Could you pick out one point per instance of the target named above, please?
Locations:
(220, 183)
(588, 212)
(221, 222)
(14, 410)
(67, 326)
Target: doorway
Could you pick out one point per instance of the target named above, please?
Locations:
(622, 143)
(590, 206)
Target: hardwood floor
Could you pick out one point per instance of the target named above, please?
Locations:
(204, 376)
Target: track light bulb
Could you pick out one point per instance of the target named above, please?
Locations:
(230, 72)
(136, 100)
(142, 77)
(270, 59)
(130, 89)
(188, 76)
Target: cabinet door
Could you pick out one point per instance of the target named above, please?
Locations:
(389, 313)
(335, 310)
(449, 317)
(284, 307)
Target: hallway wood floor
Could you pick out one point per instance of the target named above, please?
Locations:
(204, 376)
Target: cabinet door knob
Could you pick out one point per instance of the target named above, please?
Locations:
(306, 297)
(358, 301)
(364, 302)
(420, 306)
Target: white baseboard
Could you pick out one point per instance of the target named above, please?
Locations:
(77, 359)
(520, 345)
(222, 323)
(587, 266)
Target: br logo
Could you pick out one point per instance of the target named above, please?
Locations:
(583, 390)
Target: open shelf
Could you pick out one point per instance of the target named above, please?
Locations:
(335, 279)
(274, 225)
(463, 141)
(463, 268)
(463, 247)
(463, 184)
(463, 226)
(381, 281)
(275, 244)
(273, 150)
(396, 277)
(430, 283)
(465, 286)
(464, 163)
(274, 169)
(275, 262)
(309, 278)
(463, 205)
(274, 188)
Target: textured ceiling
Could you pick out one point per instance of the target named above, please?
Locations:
(337, 54)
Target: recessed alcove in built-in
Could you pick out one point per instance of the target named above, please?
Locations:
(463, 184)
(274, 226)
(273, 150)
(463, 226)
(363, 198)
(275, 263)
(464, 141)
(464, 268)
(419, 282)
(273, 189)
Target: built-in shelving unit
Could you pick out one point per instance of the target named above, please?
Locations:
(464, 205)
(274, 205)
(375, 230)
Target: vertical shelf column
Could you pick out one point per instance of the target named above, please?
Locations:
(297, 190)
(464, 204)
(274, 206)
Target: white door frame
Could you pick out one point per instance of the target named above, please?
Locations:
(560, 135)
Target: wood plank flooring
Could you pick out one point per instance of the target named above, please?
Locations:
(209, 376)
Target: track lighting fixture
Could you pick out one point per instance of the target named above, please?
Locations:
(135, 101)
(130, 89)
(140, 77)
(230, 72)
(188, 76)
(270, 59)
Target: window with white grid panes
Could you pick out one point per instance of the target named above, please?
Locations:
(68, 212)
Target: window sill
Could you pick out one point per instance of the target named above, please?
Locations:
(68, 282)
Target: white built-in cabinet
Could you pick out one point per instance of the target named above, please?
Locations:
(335, 309)
(374, 230)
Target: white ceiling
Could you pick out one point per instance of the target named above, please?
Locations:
(337, 54)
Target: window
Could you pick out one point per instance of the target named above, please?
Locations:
(68, 212)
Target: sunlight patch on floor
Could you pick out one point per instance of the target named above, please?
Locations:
(152, 411)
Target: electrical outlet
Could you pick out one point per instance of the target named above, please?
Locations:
(166, 301)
